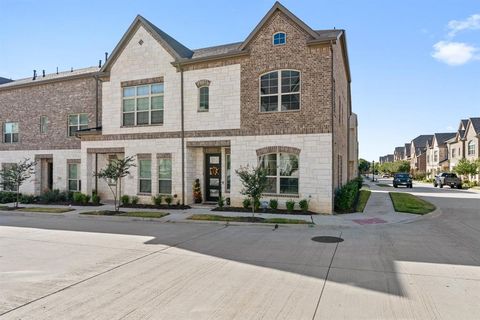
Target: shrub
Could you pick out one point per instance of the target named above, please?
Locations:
(95, 198)
(168, 200)
(86, 199)
(303, 205)
(28, 198)
(257, 204)
(78, 197)
(135, 200)
(290, 205)
(273, 204)
(157, 200)
(221, 202)
(246, 203)
(7, 196)
(346, 196)
(54, 195)
(125, 199)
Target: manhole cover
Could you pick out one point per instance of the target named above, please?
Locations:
(327, 239)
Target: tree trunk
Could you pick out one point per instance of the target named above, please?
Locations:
(18, 195)
(253, 207)
(119, 192)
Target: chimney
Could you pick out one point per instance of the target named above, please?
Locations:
(106, 57)
(34, 74)
(43, 73)
(99, 63)
(57, 70)
(71, 70)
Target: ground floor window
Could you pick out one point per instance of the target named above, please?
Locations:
(145, 176)
(74, 183)
(282, 172)
(164, 176)
(8, 185)
(227, 172)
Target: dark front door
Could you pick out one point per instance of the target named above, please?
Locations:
(212, 176)
(50, 175)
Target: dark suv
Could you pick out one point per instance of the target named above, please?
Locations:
(402, 179)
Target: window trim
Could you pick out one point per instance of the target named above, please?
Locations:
(135, 111)
(46, 124)
(140, 192)
(199, 98)
(78, 124)
(279, 44)
(279, 94)
(79, 181)
(163, 179)
(278, 177)
(471, 143)
(11, 133)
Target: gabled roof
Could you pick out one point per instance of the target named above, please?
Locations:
(4, 80)
(175, 48)
(421, 142)
(400, 150)
(407, 149)
(442, 138)
(475, 122)
(463, 124)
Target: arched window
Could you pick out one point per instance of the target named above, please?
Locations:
(280, 91)
(279, 38)
(471, 148)
(203, 94)
(282, 172)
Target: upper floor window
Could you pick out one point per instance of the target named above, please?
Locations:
(43, 124)
(203, 101)
(453, 153)
(77, 122)
(280, 91)
(279, 38)
(10, 130)
(282, 172)
(435, 156)
(143, 105)
(471, 148)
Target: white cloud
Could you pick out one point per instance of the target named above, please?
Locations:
(454, 53)
(471, 23)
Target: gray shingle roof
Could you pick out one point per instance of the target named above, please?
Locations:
(464, 122)
(216, 50)
(407, 149)
(443, 137)
(476, 124)
(328, 34)
(4, 80)
(421, 141)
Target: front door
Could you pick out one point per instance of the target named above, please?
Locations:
(212, 176)
(50, 175)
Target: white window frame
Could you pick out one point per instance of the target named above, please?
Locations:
(165, 179)
(279, 44)
(78, 125)
(11, 134)
(279, 93)
(77, 179)
(150, 95)
(471, 148)
(278, 177)
(140, 178)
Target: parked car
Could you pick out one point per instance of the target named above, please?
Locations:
(385, 175)
(447, 179)
(402, 179)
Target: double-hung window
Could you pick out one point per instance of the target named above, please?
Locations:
(471, 148)
(142, 105)
(280, 91)
(74, 183)
(282, 172)
(10, 132)
(145, 175)
(164, 176)
(77, 122)
(203, 98)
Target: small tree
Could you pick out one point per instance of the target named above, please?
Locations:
(15, 175)
(254, 181)
(363, 165)
(466, 167)
(113, 174)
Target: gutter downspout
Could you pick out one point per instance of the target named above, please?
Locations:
(332, 92)
(97, 81)
(182, 108)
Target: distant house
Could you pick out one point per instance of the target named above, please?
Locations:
(472, 141)
(407, 151)
(386, 158)
(418, 153)
(399, 154)
(437, 153)
(456, 145)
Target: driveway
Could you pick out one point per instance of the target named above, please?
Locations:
(70, 267)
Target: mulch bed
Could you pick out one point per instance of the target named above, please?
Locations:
(69, 203)
(152, 206)
(269, 210)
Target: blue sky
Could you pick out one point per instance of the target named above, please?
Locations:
(415, 64)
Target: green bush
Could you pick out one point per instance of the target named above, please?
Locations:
(257, 204)
(28, 198)
(221, 202)
(125, 199)
(246, 203)
(135, 200)
(7, 197)
(79, 197)
(86, 199)
(157, 200)
(273, 204)
(168, 200)
(54, 195)
(346, 196)
(303, 205)
(95, 199)
(290, 205)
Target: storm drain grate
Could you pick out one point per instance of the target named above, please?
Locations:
(327, 239)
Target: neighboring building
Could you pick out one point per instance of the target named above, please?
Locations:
(472, 141)
(399, 154)
(407, 151)
(437, 153)
(39, 117)
(5, 80)
(281, 98)
(418, 153)
(456, 145)
(387, 158)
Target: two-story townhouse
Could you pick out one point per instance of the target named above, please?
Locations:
(280, 99)
(418, 154)
(408, 154)
(437, 153)
(456, 145)
(399, 154)
(472, 141)
(39, 117)
(386, 158)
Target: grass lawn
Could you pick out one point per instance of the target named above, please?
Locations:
(384, 185)
(363, 197)
(138, 214)
(45, 210)
(214, 217)
(405, 202)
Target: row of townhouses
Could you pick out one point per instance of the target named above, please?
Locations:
(434, 153)
(280, 99)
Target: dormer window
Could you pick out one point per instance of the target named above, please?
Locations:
(279, 38)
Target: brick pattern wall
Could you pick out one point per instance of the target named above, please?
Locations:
(56, 101)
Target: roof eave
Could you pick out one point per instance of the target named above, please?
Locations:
(184, 61)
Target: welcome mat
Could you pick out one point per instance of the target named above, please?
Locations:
(369, 221)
